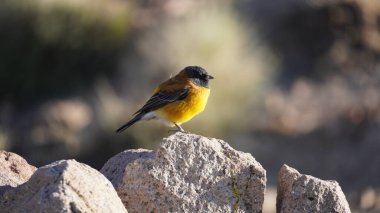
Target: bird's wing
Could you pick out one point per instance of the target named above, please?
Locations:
(162, 98)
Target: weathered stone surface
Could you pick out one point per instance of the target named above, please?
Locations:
(14, 170)
(303, 193)
(188, 173)
(63, 186)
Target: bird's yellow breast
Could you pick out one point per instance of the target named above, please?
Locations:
(183, 110)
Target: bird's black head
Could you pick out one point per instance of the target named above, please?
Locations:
(198, 75)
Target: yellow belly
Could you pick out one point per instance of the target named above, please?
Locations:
(183, 110)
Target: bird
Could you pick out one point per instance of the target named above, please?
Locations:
(176, 100)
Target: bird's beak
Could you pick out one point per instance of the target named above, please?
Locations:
(210, 77)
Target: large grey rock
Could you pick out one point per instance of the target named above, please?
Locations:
(188, 173)
(63, 186)
(303, 193)
(14, 170)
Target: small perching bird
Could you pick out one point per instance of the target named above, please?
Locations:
(176, 100)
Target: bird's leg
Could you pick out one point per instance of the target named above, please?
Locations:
(179, 128)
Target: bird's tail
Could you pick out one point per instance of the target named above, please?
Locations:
(130, 123)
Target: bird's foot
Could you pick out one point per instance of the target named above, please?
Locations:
(178, 130)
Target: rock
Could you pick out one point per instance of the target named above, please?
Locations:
(63, 186)
(14, 170)
(188, 173)
(303, 193)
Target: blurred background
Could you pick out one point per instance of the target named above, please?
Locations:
(297, 82)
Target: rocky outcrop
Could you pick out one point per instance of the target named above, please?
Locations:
(63, 186)
(303, 193)
(188, 173)
(14, 170)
